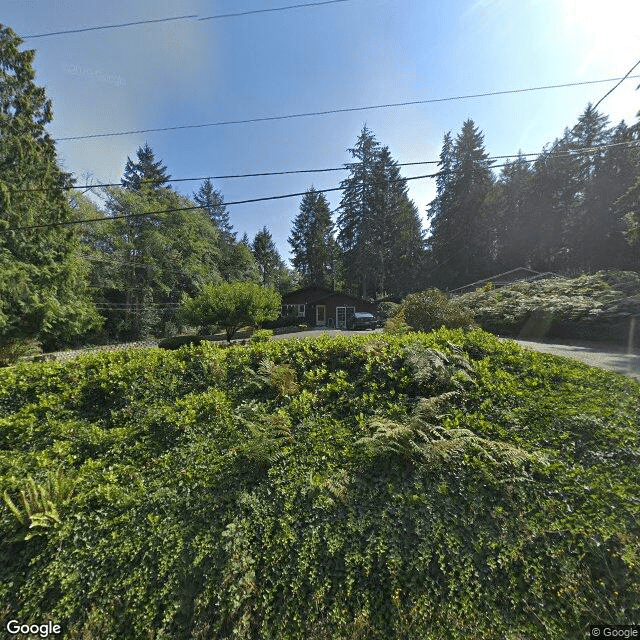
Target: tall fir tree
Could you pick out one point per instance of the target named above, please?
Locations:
(356, 214)
(408, 256)
(213, 202)
(460, 236)
(380, 230)
(313, 247)
(43, 281)
(438, 208)
(589, 217)
(397, 236)
(145, 172)
(510, 219)
(267, 257)
(626, 208)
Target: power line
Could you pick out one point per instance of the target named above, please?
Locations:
(277, 197)
(107, 26)
(341, 110)
(287, 8)
(250, 200)
(345, 167)
(173, 19)
(617, 85)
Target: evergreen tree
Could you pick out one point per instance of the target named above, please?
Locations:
(408, 255)
(43, 287)
(552, 198)
(512, 224)
(397, 236)
(357, 211)
(268, 258)
(460, 236)
(312, 243)
(213, 202)
(238, 264)
(146, 172)
(438, 208)
(588, 221)
(152, 259)
(380, 232)
(626, 208)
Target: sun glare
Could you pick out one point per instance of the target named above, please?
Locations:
(611, 30)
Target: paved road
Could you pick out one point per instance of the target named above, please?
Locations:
(596, 354)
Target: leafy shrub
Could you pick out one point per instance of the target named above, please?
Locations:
(429, 310)
(291, 320)
(388, 309)
(397, 324)
(261, 335)
(379, 487)
(592, 307)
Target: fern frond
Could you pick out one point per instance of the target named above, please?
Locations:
(267, 434)
(427, 408)
(12, 507)
(41, 502)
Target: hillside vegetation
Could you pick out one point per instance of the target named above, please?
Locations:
(589, 307)
(443, 485)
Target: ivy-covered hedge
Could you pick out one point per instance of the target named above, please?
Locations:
(588, 307)
(447, 485)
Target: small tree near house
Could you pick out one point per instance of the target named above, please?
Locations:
(231, 306)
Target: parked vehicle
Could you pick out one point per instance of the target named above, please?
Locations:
(362, 320)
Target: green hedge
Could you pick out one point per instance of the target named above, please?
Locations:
(176, 342)
(447, 485)
(588, 307)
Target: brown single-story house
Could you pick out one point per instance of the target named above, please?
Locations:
(320, 307)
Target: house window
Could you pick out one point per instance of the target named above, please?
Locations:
(293, 310)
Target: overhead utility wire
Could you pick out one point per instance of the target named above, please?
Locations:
(157, 20)
(250, 200)
(292, 6)
(108, 26)
(345, 167)
(341, 110)
(618, 84)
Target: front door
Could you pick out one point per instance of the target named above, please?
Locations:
(321, 315)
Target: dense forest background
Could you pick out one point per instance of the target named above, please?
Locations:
(113, 264)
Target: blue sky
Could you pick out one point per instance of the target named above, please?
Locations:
(348, 54)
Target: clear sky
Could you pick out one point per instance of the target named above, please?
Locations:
(346, 54)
